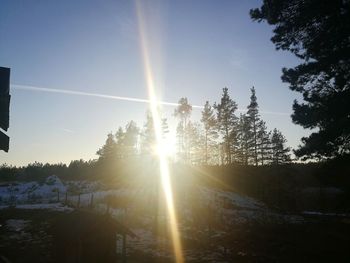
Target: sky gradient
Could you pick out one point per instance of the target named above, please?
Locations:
(197, 48)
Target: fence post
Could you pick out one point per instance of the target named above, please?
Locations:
(78, 201)
(66, 199)
(58, 195)
(92, 200)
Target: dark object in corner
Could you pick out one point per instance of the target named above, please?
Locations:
(4, 107)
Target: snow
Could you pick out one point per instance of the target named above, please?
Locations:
(32, 191)
(215, 195)
(230, 206)
(16, 228)
(51, 206)
(316, 213)
(16, 224)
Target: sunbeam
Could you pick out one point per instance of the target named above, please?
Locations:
(163, 162)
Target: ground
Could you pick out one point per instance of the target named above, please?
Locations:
(215, 224)
(26, 236)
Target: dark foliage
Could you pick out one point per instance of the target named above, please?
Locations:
(318, 32)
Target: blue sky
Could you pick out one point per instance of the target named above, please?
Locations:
(197, 47)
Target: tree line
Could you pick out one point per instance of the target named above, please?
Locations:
(220, 137)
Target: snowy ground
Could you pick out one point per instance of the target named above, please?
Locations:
(226, 207)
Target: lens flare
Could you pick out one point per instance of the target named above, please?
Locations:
(163, 161)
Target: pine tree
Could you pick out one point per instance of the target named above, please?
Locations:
(148, 141)
(264, 143)
(183, 112)
(253, 118)
(180, 134)
(317, 32)
(210, 128)
(108, 151)
(165, 127)
(120, 139)
(244, 139)
(195, 143)
(227, 121)
(280, 153)
(131, 139)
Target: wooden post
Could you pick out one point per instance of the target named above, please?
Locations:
(78, 201)
(66, 199)
(58, 195)
(91, 200)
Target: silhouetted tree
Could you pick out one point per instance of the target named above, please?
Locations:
(180, 134)
(183, 112)
(280, 153)
(131, 139)
(165, 127)
(227, 121)
(318, 32)
(148, 140)
(108, 151)
(120, 141)
(264, 143)
(244, 139)
(210, 127)
(253, 120)
(195, 143)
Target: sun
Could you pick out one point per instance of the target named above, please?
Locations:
(166, 147)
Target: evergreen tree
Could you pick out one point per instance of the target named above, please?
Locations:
(317, 32)
(210, 128)
(120, 139)
(264, 143)
(280, 153)
(131, 139)
(227, 119)
(183, 112)
(148, 135)
(108, 151)
(244, 139)
(180, 134)
(165, 127)
(195, 143)
(253, 119)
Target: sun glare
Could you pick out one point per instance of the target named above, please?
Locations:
(163, 148)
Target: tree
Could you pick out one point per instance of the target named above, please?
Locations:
(244, 139)
(131, 139)
(264, 143)
(318, 32)
(227, 119)
(253, 120)
(165, 127)
(120, 142)
(108, 151)
(280, 153)
(183, 112)
(180, 134)
(195, 143)
(210, 127)
(148, 135)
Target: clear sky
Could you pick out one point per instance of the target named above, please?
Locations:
(197, 48)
